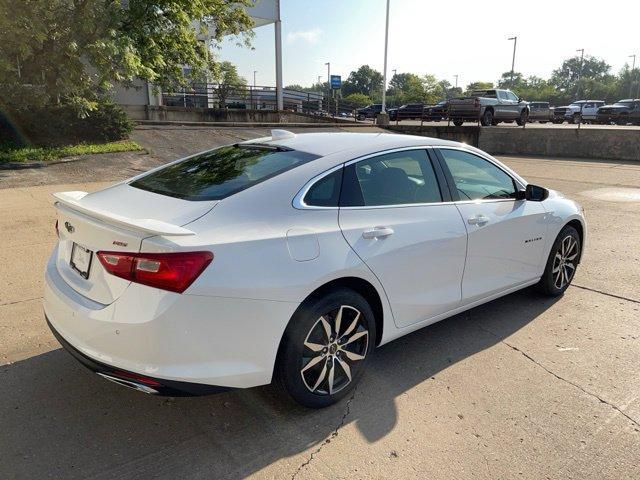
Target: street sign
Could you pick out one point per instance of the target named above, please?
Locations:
(336, 82)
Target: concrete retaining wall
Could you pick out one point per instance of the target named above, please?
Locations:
(605, 143)
(192, 114)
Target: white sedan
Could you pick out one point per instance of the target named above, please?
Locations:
(290, 258)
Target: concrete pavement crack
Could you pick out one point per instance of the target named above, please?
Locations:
(573, 384)
(327, 440)
(20, 301)
(605, 293)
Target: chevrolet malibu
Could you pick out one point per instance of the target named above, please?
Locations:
(290, 258)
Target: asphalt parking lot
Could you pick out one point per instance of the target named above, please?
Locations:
(523, 387)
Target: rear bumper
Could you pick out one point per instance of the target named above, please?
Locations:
(174, 339)
(139, 382)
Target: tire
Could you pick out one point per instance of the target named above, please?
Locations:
(558, 122)
(487, 118)
(310, 364)
(575, 119)
(563, 259)
(458, 122)
(523, 118)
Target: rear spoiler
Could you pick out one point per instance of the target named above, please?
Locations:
(71, 200)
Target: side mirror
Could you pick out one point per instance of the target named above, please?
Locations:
(535, 193)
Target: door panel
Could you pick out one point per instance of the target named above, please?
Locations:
(420, 264)
(505, 236)
(505, 248)
(392, 215)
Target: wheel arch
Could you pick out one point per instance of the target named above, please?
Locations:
(577, 224)
(359, 285)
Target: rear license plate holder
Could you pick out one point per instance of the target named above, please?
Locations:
(81, 259)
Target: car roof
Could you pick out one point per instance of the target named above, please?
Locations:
(327, 143)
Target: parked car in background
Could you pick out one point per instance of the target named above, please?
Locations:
(370, 111)
(581, 110)
(410, 111)
(490, 106)
(437, 112)
(622, 112)
(290, 258)
(540, 112)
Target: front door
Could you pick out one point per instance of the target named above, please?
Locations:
(505, 235)
(393, 216)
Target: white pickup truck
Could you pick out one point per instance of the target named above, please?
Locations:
(490, 107)
(576, 112)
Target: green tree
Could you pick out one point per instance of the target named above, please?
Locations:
(365, 80)
(229, 83)
(72, 51)
(478, 86)
(592, 72)
(357, 100)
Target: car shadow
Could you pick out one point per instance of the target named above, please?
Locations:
(59, 420)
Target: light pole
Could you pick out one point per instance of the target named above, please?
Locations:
(513, 59)
(632, 69)
(319, 79)
(456, 77)
(254, 78)
(384, 74)
(581, 50)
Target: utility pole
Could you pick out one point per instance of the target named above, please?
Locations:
(254, 78)
(319, 79)
(630, 79)
(513, 60)
(384, 75)
(456, 77)
(581, 50)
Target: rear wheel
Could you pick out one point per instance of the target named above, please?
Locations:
(458, 122)
(326, 348)
(487, 118)
(576, 118)
(562, 262)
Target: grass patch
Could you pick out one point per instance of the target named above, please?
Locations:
(47, 154)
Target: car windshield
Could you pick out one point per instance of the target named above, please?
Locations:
(219, 173)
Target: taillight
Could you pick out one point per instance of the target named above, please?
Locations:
(168, 271)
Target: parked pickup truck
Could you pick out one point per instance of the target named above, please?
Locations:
(490, 106)
(370, 111)
(621, 113)
(410, 111)
(577, 112)
(540, 112)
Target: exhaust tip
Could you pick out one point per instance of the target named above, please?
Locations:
(129, 383)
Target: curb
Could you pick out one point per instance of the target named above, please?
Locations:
(252, 124)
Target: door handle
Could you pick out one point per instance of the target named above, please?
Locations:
(478, 220)
(377, 232)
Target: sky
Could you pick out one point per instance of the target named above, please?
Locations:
(443, 38)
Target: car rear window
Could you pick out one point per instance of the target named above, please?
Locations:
(219, 173)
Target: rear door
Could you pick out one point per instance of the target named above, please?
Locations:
(393, 215)
(506, 236)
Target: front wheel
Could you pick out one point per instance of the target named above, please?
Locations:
(487, 118)
(326, 348)
(458, 122)
(562, 262)
(523, 118)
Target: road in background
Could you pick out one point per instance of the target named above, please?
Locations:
(523, 387)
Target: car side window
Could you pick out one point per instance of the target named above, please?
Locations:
(397, 178)
(476, 178)
(326, 191)
(512, 96)
(502, 95)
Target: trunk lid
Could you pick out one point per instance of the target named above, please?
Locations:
(115, 219)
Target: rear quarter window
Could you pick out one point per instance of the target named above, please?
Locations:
(219, 173)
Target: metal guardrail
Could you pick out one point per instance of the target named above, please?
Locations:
(244, 97)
